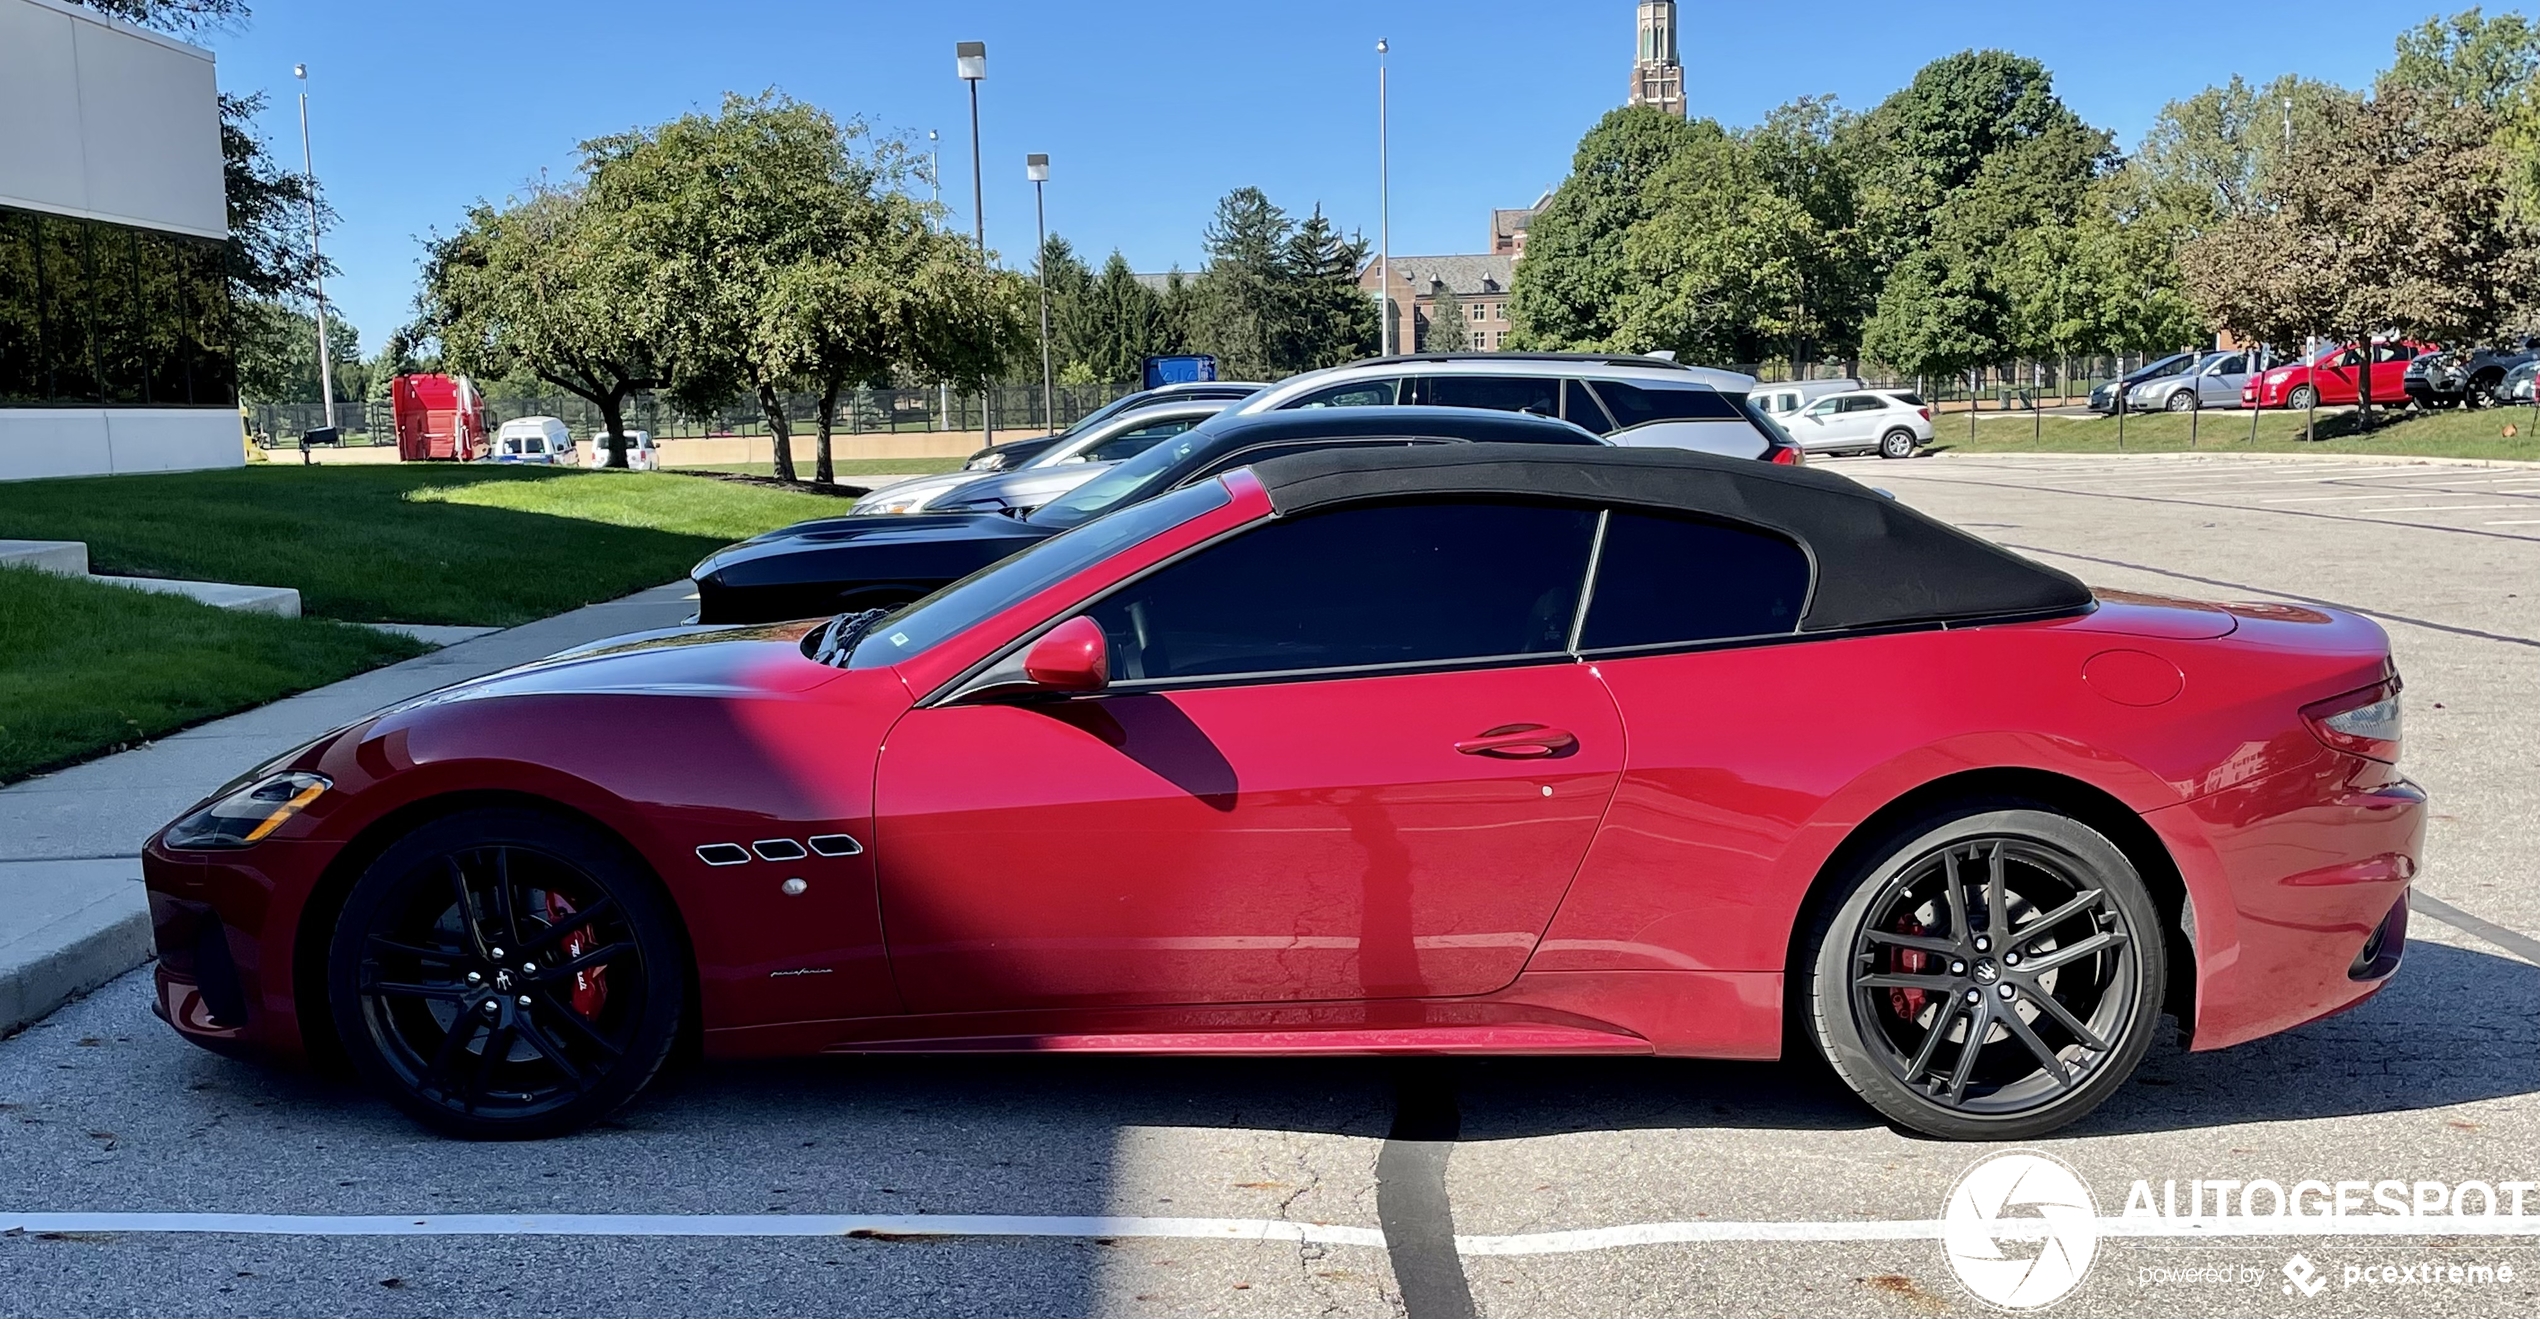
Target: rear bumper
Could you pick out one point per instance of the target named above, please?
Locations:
(2297, 885)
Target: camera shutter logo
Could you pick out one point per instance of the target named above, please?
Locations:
(2046, 1255)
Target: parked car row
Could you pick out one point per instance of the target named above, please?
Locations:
(546, 441)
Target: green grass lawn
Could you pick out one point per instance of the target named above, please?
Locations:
(2453, 433)
(847, 469)
(87, 668)
(410, 543)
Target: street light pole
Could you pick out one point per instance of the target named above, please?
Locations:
(1036, 167)
(970, 60)
(1384, 215)
(317, 262)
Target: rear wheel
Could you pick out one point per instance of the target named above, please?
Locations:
(2482, 391)
(1898, 443)
(506, 974)
(1992, 975)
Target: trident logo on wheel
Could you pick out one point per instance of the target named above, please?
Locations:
(2022, 1198)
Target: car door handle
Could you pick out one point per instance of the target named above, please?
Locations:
(1520, 742)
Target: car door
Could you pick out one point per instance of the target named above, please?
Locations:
(1344, 756)
(2390, 371)
(2219, 384)
(2339, 379)
(1821, 425)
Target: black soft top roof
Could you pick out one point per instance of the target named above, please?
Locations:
(1878, 563)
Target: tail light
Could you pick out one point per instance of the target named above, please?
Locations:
(1788, 455)
(1926, 413)
(2360, 723)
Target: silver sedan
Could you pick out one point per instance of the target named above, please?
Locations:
(1108, 441)
(2214, 381)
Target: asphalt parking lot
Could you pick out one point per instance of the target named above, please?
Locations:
(1069, 1185)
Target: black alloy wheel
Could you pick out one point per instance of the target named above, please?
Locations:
(1898, 443)
(1993, 978)
(506, 974)
(2481, 392)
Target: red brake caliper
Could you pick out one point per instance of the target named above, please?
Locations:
(1909, 961)
(591, 987)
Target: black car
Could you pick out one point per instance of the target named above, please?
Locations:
(849, 563)
(2109, 397)
(2472, 376)
(1016, 452)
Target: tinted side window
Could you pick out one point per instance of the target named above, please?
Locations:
(1355, 394)
(1864, 403)
(1662, 580)
(1128, 443)
(1635, 405)
(1538, 395)
(1580, 408)
(1392, 584)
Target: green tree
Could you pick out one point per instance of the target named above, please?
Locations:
(1937, 317)
(1126, 325)
(2208, 157)
(1447, 331)
(2471, 59)
(277, 353)
(1076, 323)
(1575, 276)
(547, 288)
(1237, 311)
(2400, 221)
(1330, 320)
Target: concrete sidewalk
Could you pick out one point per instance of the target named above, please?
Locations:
(71, 910)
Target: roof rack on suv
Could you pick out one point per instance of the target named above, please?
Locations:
(1600, 359)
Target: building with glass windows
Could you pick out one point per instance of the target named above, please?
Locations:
(116, 343)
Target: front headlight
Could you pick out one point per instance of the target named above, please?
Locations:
(248, 814)
(2278, 377)
(895, 504)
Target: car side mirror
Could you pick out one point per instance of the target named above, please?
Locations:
(1070, 658)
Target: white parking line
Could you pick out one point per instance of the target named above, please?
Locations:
(2437, 508)
(2514, 522)
(933, 1226)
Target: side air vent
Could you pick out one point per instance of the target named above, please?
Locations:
(723, 854)
(835, 845)
(778, 849)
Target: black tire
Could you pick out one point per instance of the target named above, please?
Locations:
(586, 1010)
(2181, 400)
(2482, 391)
(1891, 960)
(2302, 398)
(1898, 443)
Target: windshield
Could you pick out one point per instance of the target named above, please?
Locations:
(1133, 480)
(1004, 584)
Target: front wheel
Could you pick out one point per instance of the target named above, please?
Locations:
(2302, 399)
(1899, 443)
(506, 974)
(1992, 975)
(2183, 400)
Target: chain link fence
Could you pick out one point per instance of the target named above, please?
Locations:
(2044, 383)
(1016, 408)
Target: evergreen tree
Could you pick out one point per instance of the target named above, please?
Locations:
(1447, 332)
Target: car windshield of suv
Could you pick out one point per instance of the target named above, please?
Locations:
(1009, 582)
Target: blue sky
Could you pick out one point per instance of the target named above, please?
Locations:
(1150, 111)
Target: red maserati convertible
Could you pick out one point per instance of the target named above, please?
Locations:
(1468, 749)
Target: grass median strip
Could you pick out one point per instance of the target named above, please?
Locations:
(407, 543)
(2454, 433)
(87, 668)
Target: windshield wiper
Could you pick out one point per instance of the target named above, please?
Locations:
(838, 639)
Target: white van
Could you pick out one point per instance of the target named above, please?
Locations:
(1783, 399)
(641, 454)
(532, 440)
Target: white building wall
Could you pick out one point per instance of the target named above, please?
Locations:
(105, 121)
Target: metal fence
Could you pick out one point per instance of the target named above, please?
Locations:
(2015, 385)
(1016, 408)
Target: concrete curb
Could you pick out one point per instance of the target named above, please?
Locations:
(88, 933)
(73, 914)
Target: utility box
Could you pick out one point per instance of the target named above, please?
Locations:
(438, 417)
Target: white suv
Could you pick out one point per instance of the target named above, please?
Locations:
(1891, 423)
(1627, 400)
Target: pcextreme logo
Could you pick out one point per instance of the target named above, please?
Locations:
(2038, 1206)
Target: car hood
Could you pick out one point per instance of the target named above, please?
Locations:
(907, 531)
(690, 661)
(921, 487)
(1031, 485)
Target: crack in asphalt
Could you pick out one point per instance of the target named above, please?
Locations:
(1411, 1201)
